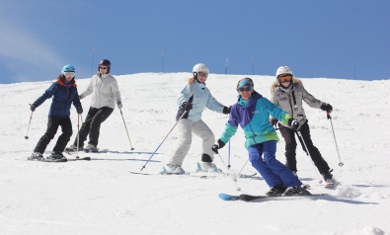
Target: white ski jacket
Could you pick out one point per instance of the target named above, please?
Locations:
(104, 90)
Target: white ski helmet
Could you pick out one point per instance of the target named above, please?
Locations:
(200, 67)
(283, 70)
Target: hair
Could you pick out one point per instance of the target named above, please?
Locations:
(191, 80)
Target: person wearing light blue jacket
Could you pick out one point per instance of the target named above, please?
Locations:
(194, 98)
(252, 113)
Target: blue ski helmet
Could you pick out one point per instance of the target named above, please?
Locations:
(68, 68)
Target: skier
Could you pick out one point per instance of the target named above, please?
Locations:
(64, 93)
(105, 93)
(288, 93)
(194, 98)
(252, 112)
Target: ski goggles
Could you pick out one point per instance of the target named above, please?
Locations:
(203, 74)
(245, 88)
(69, 74)
(102, 67)
(285, 78)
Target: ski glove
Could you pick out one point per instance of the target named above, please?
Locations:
(226, 110)
(81, 97)
(32, 107)
(119, 104)
(294, 124)
(273, 121)
(186, 106)
(80, 110)
(218, 145)
(326, 107)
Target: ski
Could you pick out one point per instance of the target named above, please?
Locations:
(80, 159)
(188, 174)
(201, 174)
(260, 198)
(50, 160)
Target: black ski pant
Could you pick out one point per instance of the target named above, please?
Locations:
(52, 127)
(291, 145)
(91, 126)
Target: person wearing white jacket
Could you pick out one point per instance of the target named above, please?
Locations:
(194, 98)
(105, 94)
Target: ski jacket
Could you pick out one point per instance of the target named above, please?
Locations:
(201, 98)
(104, 90)
(291, 101)
(253, 117)
(63, 97)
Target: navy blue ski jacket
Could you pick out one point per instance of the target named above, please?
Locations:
(63, 97)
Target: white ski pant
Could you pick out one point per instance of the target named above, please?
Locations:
(186, 128)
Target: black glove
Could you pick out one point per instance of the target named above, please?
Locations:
(273, 121)
(32, 107)
(326, 107)
(119, 104)
(294, 124)
(81, 97)
(226, 110)
(79, 110)
(218, 145)
(186, 106)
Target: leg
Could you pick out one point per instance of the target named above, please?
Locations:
(184, 142)
(63, 139)
(282, 171)
(100, 116)
(51, 130)
(85, 127)
(203, 131)
(259, 164)
(315, 154)
(291, 145)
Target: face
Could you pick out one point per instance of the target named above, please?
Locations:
(245, 92)
(103, 69)
(202, 76)
(285, 80)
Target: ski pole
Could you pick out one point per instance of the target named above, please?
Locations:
(28, 128)
(308, 153)
(228, 166)
(78, 134)
(242, 168)
(128, 136)
(334, 136)
(164, 139)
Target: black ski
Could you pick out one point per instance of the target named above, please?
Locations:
(80, 159)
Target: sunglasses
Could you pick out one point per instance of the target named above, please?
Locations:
(102, 67)
(286, 78)
(245, 88)
(68, 74)
(203, 74)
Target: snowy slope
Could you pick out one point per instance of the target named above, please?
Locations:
(102, 196)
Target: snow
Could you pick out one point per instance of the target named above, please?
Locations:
(101, 196)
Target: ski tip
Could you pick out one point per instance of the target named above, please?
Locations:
(227, 197)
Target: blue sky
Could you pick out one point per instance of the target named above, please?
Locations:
(335, 39)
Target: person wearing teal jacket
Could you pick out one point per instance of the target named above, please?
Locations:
(251, 113)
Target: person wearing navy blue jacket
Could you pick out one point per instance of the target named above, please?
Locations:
(252, 113)
(64, 93)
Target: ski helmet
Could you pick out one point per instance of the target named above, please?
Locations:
(245, 82)
(283, 70)
(200, 67)
(105, 62)
(68, 68)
